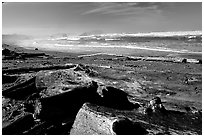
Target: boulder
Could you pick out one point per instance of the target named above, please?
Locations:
(155, 105)
(78, 83)
(115, 98)
(60, 81)
(65, 105)
(65, 91)
(124, 126)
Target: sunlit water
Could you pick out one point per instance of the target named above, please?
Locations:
(118, 45)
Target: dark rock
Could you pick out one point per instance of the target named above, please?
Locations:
(124, 126)
(184, 61)
(199, 61)
(155, 105)
(7, 52)
(65, 91)
(67, 104)
(115, 98)
(60, 81)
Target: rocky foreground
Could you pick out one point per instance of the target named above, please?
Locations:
(73, 101)
(101, 94)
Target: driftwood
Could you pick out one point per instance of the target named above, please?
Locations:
(61, 106)
(22, 90)
(8, 79)
(92, 120)
(67, 104)
(19, 125)
(36, 69)
(38, 129)
(162, 59)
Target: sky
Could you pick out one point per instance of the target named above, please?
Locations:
(111, 17)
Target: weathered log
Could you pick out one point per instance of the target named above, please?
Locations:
(36, 69)
(38, 129)
(8, 79)
(93, 121)
(50, 128)
(67, 104)
(22, 90)
(19, 125)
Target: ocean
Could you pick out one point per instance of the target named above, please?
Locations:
(121, 44)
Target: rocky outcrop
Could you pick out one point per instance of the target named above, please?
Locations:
(91, 120)
(155, 106)
(63, 92)
(65, 105)
(60, 81)
(55, 101)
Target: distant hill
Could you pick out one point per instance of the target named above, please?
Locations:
(157, 34)
(13, 38)
(95, 32)
(59, 35)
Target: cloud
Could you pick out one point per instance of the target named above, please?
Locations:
(125, 8)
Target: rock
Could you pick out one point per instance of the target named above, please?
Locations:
(65, 105)
(80, 67)
(184, 60)
(124, 126)
(200, 61)
(7, 52)
(63, 92)
(155, 105)
(91, 120)
(192, 110)
(115, 98)
(60, 81)
(86, 69)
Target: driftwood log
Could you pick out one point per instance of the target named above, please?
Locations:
(21, 91)
(36, 69)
